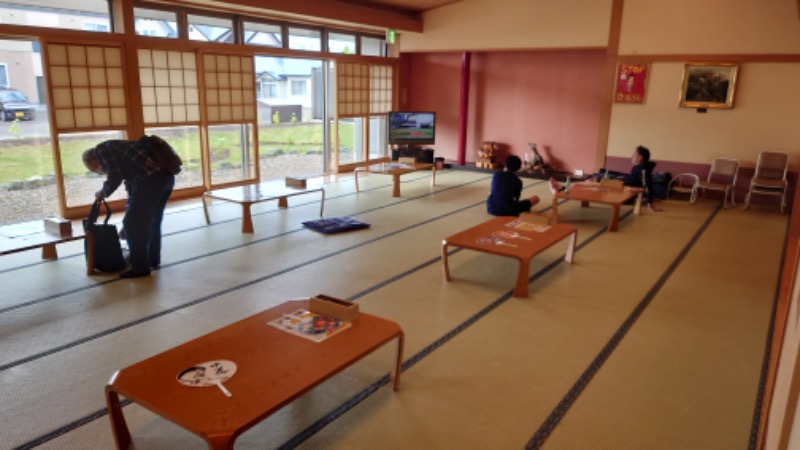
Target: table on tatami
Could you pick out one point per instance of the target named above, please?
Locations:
(523, 248)
(32, 235)
(273, 368)
(249, 194)
(596, 193)
(395, 170)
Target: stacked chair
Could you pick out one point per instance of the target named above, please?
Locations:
(770, 177)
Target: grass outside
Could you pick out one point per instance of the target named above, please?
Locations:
(34, 158)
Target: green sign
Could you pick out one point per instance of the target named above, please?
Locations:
(391, 36)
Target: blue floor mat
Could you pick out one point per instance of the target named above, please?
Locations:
(333, 225)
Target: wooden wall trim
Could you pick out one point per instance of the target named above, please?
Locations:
(715, 58)
(615, 29)
(791, 264)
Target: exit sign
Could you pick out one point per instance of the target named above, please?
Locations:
(391, 36)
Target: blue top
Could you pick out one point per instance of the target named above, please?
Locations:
(642, 176)
(504, 197)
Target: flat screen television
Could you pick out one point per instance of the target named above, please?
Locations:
(412, 128)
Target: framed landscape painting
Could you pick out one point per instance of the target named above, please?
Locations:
(708, 85)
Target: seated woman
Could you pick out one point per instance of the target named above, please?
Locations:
(641, 175)
(504, 199)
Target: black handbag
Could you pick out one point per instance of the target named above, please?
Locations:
(105, 240)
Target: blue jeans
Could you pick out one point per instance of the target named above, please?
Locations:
(147, 199)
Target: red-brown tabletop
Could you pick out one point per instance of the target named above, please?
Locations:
(274, 367)
(495, 237)
(595, 193)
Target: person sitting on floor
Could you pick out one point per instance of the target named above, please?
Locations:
(504, 199)
(641, 176)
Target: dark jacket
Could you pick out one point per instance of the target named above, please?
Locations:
(642, 176)
(504, 197)
(124, 161)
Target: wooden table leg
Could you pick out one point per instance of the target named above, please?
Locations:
(569, 257)
(283, 202)
(396, 185)
(122, 435)
(554, 209)
(614, 224)
(205, 209)
(322, 202)
(398, 365)
(220, 442)
(356, 171)
(247, 219)
(49, 251)
(637, 207)
(444, 261)
(521, 288)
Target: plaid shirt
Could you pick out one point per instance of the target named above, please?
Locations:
(123, 160)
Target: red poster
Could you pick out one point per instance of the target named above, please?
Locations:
(631, 82)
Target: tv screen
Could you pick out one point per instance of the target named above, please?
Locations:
(412, 128)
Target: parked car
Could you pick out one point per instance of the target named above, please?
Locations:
(14, 105)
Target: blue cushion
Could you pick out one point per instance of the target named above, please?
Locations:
(335, 225)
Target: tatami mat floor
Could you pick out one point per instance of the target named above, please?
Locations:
(654, 339)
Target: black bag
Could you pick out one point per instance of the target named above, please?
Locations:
(162, 154)
(107, 250)
(661, 182)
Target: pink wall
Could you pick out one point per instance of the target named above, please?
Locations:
(554, 99)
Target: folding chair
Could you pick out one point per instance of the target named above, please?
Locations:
(683, 183)
(721, 177)
(770, 177)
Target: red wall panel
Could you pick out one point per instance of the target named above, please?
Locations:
(552, 98)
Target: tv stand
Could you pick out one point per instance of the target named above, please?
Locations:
(421, 154)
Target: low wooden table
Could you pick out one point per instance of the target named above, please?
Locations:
(523, 249)
(257, 193)
(395, 170)
(32, 235)
(595, 193)
(274, 368)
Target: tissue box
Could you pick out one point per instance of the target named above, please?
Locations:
(329, 306)
(58, 225)
(296, 182)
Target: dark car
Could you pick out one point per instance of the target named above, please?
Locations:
(14, 105)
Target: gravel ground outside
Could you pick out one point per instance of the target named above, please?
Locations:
(33, 200)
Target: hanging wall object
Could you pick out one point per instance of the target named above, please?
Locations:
(631, 83)
(708, 85)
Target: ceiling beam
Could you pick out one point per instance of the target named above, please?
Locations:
(319, 10)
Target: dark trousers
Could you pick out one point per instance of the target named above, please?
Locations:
(145, 212)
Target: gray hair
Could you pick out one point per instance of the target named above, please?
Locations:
(88, 156)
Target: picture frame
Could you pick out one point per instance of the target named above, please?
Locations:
(631, 83)
(708, 85)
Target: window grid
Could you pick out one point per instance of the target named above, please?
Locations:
(380, 89)
(352, 89)
(88, 86)
(230, 88)
(168, 81)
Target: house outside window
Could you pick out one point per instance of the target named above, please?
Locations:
(271, 90)
(4, 75)
(95, 26)
(299, 88)
(152, 22)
